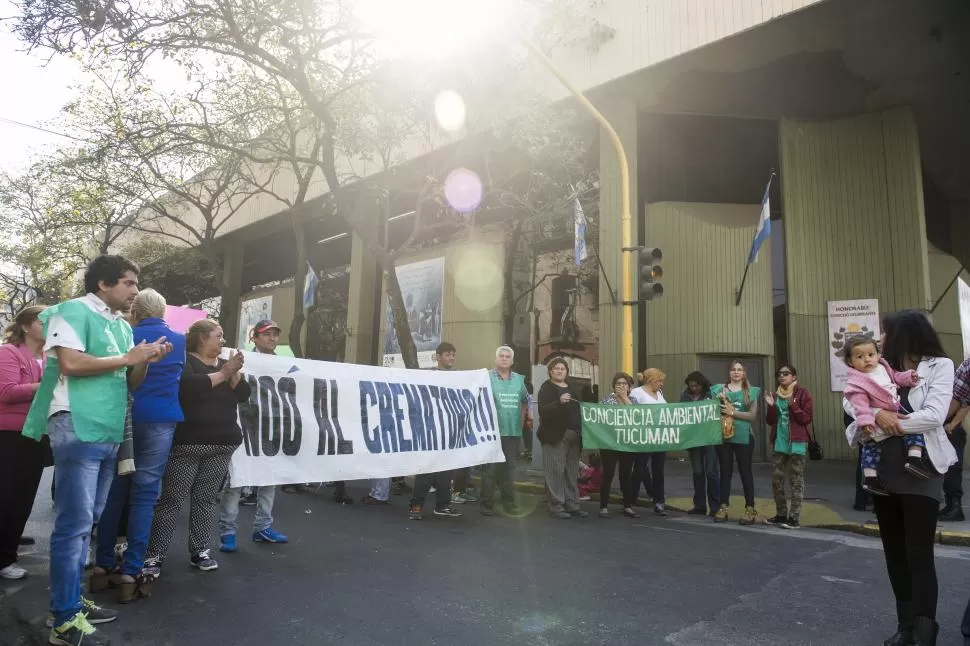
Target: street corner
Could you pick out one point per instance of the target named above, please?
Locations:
(955, 538)
(814, 514)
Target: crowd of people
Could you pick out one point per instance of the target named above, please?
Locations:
(91, 384)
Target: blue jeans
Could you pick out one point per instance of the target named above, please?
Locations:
(229, 510)
(82, 472)
(707, 477)
(152, 444)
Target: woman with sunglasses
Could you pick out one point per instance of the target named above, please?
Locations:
(789, 415)
(622, 385)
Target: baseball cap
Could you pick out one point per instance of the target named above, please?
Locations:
(264, 325)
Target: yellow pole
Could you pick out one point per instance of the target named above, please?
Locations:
(627, 286)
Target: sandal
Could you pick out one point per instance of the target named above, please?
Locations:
(102, 579)
(140, 588)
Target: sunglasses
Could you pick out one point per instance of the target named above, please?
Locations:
(784, 373)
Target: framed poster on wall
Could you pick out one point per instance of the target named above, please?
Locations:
(251, 312)
(423, 289)
(847, 319)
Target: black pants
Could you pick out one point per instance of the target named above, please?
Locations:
(727, 453)
(460, 477)
(21, 465)
(610, 459)
(440, 480)
(953, 480)
(648, 468)
(907, 526)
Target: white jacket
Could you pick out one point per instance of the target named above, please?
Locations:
(930, 401)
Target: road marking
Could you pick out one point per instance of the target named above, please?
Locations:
(835, 579)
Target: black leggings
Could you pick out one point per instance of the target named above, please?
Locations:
(610, 460)
(726, 454)
(907, 526)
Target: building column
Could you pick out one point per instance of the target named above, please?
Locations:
(854, 229)
(365, 282)
(232, 275)
(622, 114)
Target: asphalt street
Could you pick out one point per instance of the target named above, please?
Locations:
(368, 576)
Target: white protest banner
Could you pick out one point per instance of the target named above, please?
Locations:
(848, 319)
(312, 421)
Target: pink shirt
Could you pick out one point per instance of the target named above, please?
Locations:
(19, 370)
(865, 393)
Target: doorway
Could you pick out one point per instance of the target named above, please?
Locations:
(716, 367)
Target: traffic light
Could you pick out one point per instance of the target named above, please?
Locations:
(650, 272)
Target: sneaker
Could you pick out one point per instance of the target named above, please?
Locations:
(630, 512)
(13, 572)
(153, 566)
(721, 516)
(414, 512)
(561, 515)
(462, 497)
(585, 498)
(227, 543)
(447, 511)
(578, 513)
(954, 515)
(791, 523)
(77, 632)
(604, 513)
(432, 489)
(371, 500)
(659, 509)
(916, 466)
(776, 520)
(749, 517)
(96, 614)
(203, 561)
(248, 500)
(874, 486)
(270, 535)
(696, 511)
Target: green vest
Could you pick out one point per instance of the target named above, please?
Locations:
(509, 396)
(742, 428)
(98, 403)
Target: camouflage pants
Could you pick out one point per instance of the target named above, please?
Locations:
(794, 467)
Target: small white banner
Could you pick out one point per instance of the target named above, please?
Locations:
(313, 421)
(846, 320)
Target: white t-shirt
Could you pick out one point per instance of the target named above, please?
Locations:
(882, 378)
(641, 396)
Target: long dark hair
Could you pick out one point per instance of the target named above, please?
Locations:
(909, 334)
(698, 378)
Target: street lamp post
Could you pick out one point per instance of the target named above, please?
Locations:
(625, 220)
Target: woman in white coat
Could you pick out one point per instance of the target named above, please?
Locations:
(907, 516)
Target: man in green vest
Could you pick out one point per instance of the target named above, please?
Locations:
(512, 405)
(81, 404)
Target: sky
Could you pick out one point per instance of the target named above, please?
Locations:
(34, 92)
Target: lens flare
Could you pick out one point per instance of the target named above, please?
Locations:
(463, 190)
(449, 110)
(478, 278)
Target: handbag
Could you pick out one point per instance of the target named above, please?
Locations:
(815, 452)
(727, 422)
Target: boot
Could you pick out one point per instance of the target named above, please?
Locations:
(904, 626)
(947, 507)
(955, 514)
(925, 631)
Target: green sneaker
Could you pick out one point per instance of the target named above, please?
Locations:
(77, 632)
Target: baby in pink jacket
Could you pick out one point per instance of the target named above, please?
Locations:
(873, 384)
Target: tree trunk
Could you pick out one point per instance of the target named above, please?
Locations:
(399, 314)
(299, 283)
(508, 311)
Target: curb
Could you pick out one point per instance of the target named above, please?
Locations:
(959, 539)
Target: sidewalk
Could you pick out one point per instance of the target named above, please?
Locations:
(829, 494)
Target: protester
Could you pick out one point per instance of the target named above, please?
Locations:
(512, 406)
(907, 515)
(957, 434)
(380, 492)
(648, 467)
(560, 429)
(438, 482)
(590, 477)
(21, 460)
(872, 383)
(739, 401)
(789, 415)
(265, 337)
(703, 459)
(210, 391)
(622, 385)
(81, 404)
(155, 411)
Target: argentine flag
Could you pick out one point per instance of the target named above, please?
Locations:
(579, 229)
(764, 227)
(310, 287)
